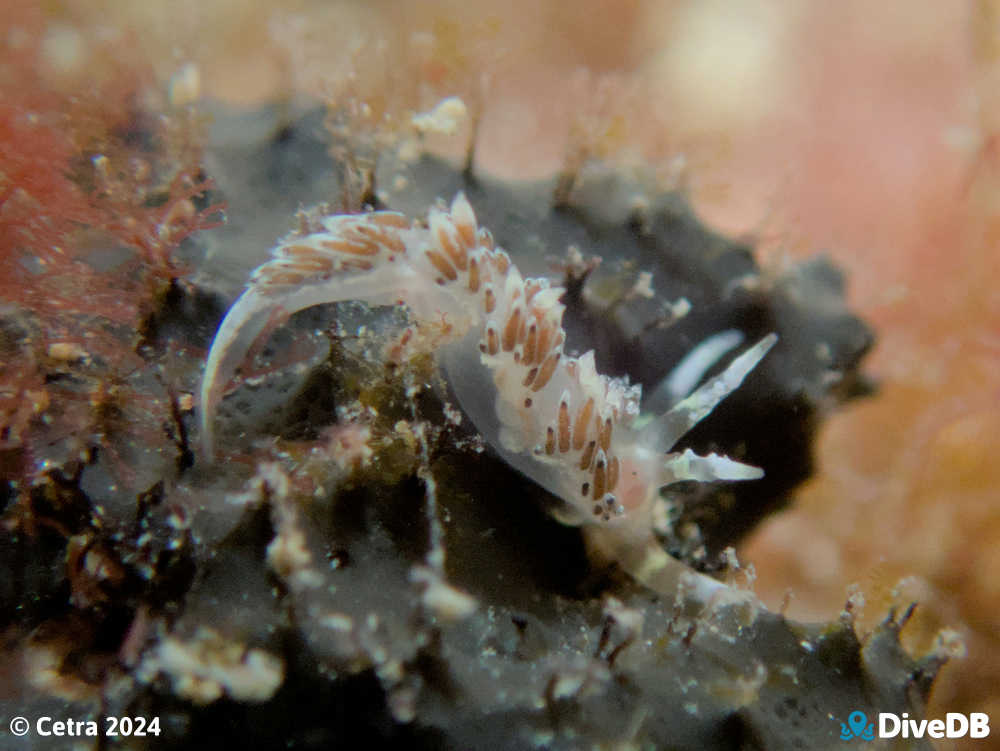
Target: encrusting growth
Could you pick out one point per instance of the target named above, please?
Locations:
(553, 417)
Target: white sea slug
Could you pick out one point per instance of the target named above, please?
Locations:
(553, 417)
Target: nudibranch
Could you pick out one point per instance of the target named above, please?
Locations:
(552, 416)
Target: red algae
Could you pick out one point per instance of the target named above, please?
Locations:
(93, 165)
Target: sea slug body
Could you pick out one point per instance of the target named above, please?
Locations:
(552, 416)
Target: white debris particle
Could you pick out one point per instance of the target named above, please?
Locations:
(209, 666)
(43, 666)
(643, 286)
(949, 643)
(444, 119)
(440, 598)
(392, 671)
(67, 352)
(270, 479)
(567, 685)
(348, 445)
(288, 555)
(630, 619)
(680, 308)
(855, 604)
(402, 701)
(274, 477)
(747, 282)
(337, 622)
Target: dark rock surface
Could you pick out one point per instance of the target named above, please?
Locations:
(357, 567)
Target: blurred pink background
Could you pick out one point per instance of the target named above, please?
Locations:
(864, 130)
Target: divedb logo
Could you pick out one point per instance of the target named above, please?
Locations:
(954, 725)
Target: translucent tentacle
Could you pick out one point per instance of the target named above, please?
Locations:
(690, 466)
(682, 380)
(240, 328)
(666, 430)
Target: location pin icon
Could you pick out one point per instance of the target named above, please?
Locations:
(857, 721)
